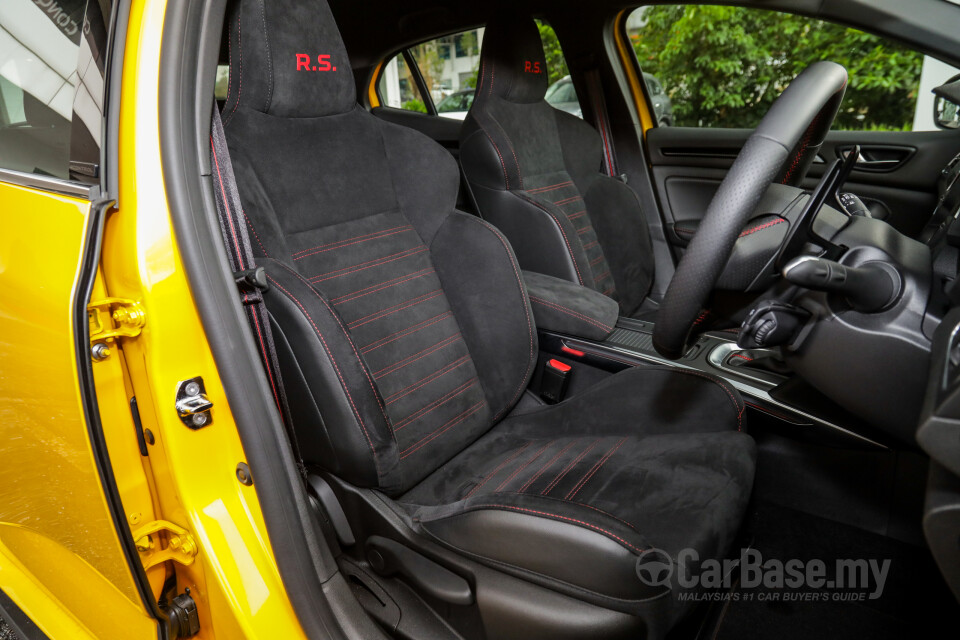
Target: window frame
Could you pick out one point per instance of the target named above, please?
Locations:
(91, 191)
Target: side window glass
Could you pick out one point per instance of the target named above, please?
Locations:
(398, 88)
(51, 86)
(723, 66)
(561, 94)
(449, 68)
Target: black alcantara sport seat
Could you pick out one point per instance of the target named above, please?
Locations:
(407, 341)
(535, 173)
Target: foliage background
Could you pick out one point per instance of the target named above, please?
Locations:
(724, 66)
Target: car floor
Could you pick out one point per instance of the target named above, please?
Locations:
(914, 603)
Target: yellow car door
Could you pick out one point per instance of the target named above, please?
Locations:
(64, 569)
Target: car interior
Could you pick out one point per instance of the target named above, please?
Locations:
(515, 354)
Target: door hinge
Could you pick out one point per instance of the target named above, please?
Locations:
(159, 541)
(113, 318)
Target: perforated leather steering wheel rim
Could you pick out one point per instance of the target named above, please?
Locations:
(785, 140)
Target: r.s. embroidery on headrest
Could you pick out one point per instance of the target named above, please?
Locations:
(323, 63)
(532, 67)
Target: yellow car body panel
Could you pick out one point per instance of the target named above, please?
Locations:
(58, 545)
(234, 578)
(61, 560)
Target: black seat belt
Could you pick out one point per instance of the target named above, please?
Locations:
(251, 279)
(595, 91)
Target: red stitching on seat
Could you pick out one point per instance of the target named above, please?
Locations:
(406, 304)
(523, 466)
(416, 415)
(596, 467)
(349, 297)
(546, 466)
(396, 366)
(336, 368)
(557, 517)
(393, 257)
(560, 203)
(609, 515)
(346, 334)
(578, 214)
(255, 235)
(442, 429)
(330, 246)
(571, 312)
(562, 232)
(526, 311)
(567, 469)
(498, 467)
(596, 260)
(552, 187)
(405, 332)
(583, 230)
(427, 380)
(602, 275)
(761, 227)
(591, 245)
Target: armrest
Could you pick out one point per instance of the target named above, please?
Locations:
(565, 307)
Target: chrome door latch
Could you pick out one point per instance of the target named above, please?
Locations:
(193, 405)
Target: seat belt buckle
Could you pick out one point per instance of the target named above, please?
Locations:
(553, 383)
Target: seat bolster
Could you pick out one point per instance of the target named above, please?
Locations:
(546, 540)
(482, 162)
(328, 366)
(491, 306)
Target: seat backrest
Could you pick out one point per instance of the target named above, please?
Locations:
(535, 172)
(402, 326)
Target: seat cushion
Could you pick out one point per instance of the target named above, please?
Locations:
(571, 494)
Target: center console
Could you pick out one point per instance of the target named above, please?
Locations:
(775, 395)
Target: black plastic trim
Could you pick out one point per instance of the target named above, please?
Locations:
(18, 621)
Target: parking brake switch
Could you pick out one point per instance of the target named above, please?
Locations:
(553, 384)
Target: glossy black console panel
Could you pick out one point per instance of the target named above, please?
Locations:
(784, 401)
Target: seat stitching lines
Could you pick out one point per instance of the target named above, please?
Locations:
(442, 429)
(596, 467)
(571, 312)
(333, 360)
(346, 334)
(439, 402)
(568, 468)
(524, 465)
(546, 466)
(500, 466)
(562, 232)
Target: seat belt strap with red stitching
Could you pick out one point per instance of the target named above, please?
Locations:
(251, 279)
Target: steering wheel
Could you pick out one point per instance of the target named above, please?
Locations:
(781, 148)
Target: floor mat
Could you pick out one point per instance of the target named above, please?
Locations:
(914, 602)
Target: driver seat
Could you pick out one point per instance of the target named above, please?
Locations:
(535, 173)
(406, 374)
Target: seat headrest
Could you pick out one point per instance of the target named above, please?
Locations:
(512, 62)
(287, 59)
